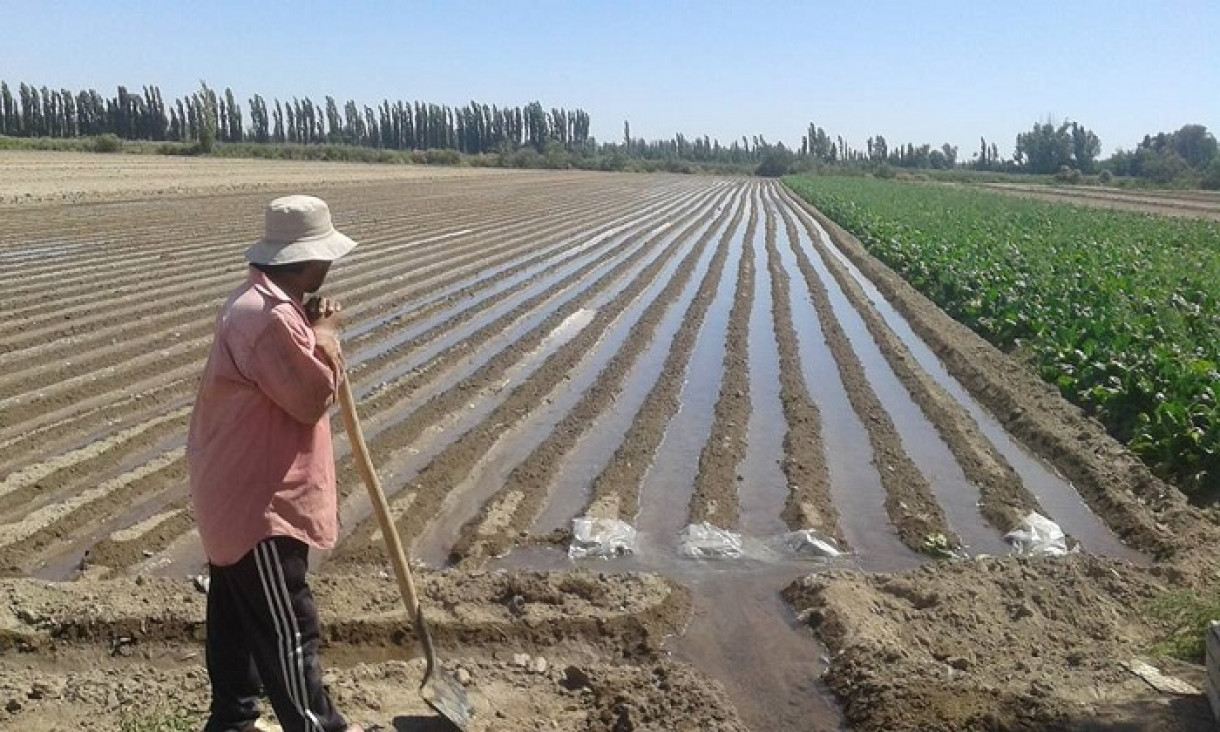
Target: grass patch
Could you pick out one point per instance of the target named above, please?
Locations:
(1185, 616)
(158, 721)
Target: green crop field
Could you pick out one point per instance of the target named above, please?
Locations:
(1120, 310)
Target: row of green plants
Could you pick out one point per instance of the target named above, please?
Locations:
(1119, 310)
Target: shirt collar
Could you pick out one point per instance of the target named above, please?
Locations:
(261, 282)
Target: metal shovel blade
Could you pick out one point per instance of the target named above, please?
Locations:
(444, 694)
(439, 689)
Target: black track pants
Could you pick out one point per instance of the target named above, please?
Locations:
(263, 632)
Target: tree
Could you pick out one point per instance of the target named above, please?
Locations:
(1163, 167)
(1045, 148)
(353, 126)
(1195, 144)
(776, 161)
(878, 150)
(206, 104)
(235, 132)
(259, 127)
(1085, 148)
(67, 105)
(332, 120)
(278, 131)
(1211, 176)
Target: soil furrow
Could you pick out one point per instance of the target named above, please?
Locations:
(715, 498)
(122, 270)
(430, 486)
(599, 245)
(514, 445)
(1004, 500)
(451, 399)
(370, 233)
(77, 425)
(616, 489)
(915, 514)
(150, 243)
(438, 255)
(388, 395)
(514, 507)
(809, 504)
(103, 459)
(39, 532)
(56, 478)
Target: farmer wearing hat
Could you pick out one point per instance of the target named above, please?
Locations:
(263, 473)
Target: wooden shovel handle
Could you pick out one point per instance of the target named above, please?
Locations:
(360, 451)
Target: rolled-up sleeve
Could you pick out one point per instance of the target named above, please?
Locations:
(286, 368)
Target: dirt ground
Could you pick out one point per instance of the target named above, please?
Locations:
(519, 290)
(49, 177)
(570, 651)
(1194, 204)
(999, 644)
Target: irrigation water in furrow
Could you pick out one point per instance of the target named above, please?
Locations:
(664, 351)
(503, 406)
(600, 367)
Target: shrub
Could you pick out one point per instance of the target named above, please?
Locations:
(108, 143)
(484, 160)
(776, 162)
(442, 157)
(526, 157)
(1105, 178)
(1067, 175)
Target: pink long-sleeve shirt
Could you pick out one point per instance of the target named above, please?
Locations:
(259, 446)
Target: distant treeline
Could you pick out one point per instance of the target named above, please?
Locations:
(532, 136)
(1187, 157)
(207, 116)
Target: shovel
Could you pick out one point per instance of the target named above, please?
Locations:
(440, 690)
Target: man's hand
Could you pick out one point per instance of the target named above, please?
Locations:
(324, 317)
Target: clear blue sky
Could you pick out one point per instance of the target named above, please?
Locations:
(913, 71)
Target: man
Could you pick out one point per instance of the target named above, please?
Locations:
(263, 473)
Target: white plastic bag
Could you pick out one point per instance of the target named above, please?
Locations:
(1037, 535)
(601, 537)
(810, 543)
(704, 541)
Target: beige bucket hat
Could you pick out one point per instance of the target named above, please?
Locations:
(298, 229)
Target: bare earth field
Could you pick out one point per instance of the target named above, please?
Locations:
(1196, 204)
(531, 347)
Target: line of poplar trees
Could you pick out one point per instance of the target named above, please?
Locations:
(474, 128)
(206, 117)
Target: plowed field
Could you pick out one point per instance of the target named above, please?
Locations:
(528, 348)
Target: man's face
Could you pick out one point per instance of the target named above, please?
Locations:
(314, 275)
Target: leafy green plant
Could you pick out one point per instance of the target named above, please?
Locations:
(1118, 310)
(937, 546)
